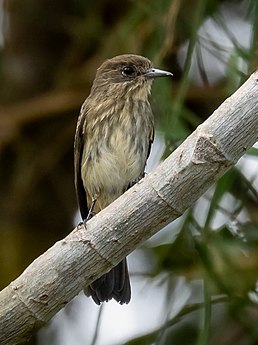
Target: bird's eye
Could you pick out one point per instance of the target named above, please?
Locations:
(128, 71)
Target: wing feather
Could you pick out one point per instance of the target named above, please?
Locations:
(78, 152)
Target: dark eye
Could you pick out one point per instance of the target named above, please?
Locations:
(128, 71)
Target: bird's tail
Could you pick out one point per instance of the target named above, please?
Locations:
(114, 284)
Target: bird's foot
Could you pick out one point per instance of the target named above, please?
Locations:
(132, 183)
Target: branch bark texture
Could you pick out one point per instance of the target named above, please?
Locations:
(59, 274)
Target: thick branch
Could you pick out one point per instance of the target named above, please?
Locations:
(58, 275)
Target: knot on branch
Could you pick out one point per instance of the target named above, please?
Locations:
(206, 150)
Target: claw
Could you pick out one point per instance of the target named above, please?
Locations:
(90, 213)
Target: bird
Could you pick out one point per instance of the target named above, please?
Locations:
(113, 138)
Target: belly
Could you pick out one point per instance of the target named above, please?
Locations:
(114, 156)
(115, 165)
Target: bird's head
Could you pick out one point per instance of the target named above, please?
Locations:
(125, 74)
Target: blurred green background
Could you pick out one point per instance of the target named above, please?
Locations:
(49, 53)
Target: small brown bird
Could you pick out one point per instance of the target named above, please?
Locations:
(114, 133)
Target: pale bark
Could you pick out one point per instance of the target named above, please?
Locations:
(59, 274)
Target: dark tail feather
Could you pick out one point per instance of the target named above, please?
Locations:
(114, 284)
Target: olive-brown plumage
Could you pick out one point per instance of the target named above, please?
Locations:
(113, 137)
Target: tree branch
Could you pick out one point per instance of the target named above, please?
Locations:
(53, 103)
(59, 274)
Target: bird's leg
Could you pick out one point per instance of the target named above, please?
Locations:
(90, 213)
(132, 183)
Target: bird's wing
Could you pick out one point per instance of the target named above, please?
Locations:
(78, 151)
(151, 138)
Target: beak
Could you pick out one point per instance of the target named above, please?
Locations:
(155, 72)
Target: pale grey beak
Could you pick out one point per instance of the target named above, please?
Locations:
(155, 72)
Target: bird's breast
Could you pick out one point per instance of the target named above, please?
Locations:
(116, 151)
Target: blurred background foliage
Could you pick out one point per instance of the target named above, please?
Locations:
(49, 52)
